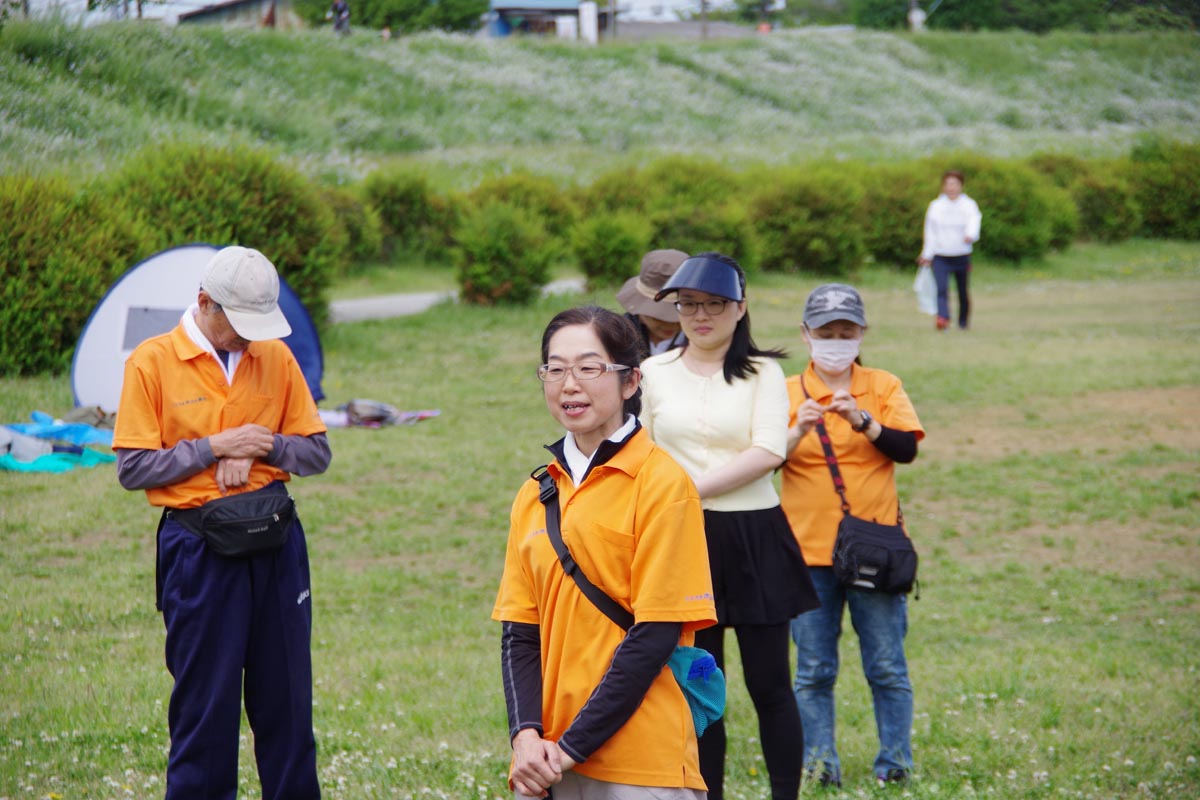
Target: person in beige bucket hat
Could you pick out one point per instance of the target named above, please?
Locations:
(657, 320)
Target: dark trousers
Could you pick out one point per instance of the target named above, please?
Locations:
(764, 650)
(960, 268)
(234, 622)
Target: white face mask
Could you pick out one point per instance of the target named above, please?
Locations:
(834, 355)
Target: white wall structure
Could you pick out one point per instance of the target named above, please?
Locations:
(589, 22)
(665, 10)
(566, 26)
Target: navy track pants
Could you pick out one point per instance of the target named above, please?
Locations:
(234, 622)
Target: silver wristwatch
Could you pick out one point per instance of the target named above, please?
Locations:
(866, 421)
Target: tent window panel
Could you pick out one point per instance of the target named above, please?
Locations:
(141, 323)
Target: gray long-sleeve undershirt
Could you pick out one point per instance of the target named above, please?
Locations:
(149, 469)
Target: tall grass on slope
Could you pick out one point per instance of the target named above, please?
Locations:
(84, 96)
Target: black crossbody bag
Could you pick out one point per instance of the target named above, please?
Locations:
(868, 555)
(694, 668)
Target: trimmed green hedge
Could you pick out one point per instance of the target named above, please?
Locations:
(1166, 180)
(62, 248)
(609, 247)
(69, 242)
(415, 218)
(503, 255)
(189, 193)
(808, 222)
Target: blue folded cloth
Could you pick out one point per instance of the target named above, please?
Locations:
(44, 427)
(57, 462)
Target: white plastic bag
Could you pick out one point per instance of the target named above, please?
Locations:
(926, 288)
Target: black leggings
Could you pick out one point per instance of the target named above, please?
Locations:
(764, 650)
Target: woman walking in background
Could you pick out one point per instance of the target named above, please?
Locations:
(719, 406)
(593, 711)
(951, 228)
(871, 426)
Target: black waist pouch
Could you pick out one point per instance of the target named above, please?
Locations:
(242, 525)
(874, 557)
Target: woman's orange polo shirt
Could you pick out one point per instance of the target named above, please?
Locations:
(636, 530)
(813, 508)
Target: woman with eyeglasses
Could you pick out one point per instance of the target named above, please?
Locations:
(720, 407)
(593, 710)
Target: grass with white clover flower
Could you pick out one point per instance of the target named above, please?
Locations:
(1054, 503)
(80, 100)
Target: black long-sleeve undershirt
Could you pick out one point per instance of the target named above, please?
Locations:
(637, 662)
(899, 446)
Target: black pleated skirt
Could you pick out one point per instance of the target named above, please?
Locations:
(758, 574)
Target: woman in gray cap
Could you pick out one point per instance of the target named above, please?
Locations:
(719, 407)
(871, 426)
(657, 320)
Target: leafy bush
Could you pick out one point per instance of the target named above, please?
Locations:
(1063, 216)
(807, 221)
(677, 181)
(539, 196)
(717, 226)
(892, 211)
(1166, 179)
(1061, 169)
(415, 218)
(609, 247)
(622, 189)
(882, 14)
(1108, 208)
(503, 255)
(359, 221)
(62, 250)
(189, 193)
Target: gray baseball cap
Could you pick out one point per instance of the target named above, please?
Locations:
(831, 302)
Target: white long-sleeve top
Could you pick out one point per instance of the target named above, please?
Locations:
(951, 227)
(703, 422)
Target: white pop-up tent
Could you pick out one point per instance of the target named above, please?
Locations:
(148, 300)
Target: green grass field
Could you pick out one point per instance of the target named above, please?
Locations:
(1055, 505)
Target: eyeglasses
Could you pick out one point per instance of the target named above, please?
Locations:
(711, 307)
(584, 371)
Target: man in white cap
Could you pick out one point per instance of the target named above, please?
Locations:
(657, 320)
(215, 417)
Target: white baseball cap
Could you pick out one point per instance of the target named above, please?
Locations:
(246, 285)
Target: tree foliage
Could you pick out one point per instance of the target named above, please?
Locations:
(1037, 16)
(403, 16)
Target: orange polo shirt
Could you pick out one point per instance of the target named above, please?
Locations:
(636, 530)
(813, 507)
(175, 390)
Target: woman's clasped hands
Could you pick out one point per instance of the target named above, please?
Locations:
(538, 763)
(811, 412)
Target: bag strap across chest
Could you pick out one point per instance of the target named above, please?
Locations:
(548, 494)
(839, 483)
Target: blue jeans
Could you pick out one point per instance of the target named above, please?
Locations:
(881, 621)
(960, 268)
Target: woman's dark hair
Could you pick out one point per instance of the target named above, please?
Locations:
(620, 338)
(953, 173)
(741, 347)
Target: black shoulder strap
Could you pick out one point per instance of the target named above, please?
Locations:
(549, 497)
